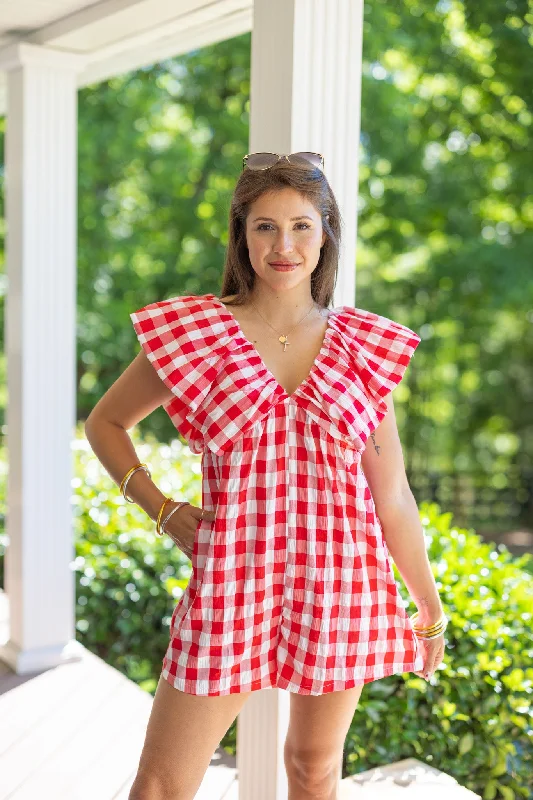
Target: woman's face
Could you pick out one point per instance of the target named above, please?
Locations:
(283, 226)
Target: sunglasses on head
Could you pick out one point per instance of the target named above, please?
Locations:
(262, 161)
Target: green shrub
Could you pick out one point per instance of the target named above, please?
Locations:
(473, 720)
(128, 578)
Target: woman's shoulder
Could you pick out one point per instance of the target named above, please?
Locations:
(185, 309)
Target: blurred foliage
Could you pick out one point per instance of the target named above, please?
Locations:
(478, 705)
(128, 577)
(498, 506)
(159, 151)
(445, 228)
(446, 222)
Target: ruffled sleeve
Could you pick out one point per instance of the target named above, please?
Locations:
(185, 341)
(379, 349)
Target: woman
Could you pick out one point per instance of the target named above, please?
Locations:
(292, 585)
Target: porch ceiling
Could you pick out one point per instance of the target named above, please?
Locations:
(116, 36)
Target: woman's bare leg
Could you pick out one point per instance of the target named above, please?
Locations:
(183, 732)
(314, 746)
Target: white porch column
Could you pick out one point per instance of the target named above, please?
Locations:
(305, 95)
(41, 170)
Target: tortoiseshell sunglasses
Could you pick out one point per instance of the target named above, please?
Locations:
(266, 160)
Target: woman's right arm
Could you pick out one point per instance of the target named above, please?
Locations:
(133, 396)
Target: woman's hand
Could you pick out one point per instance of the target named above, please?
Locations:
(183, 525)
(432, 651)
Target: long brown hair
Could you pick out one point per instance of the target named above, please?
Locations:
(238, 276)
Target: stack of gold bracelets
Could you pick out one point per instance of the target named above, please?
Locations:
(433, 631)
(160, 525)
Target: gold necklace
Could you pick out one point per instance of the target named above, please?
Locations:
(283, 338)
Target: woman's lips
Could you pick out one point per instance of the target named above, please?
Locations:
(283, 267)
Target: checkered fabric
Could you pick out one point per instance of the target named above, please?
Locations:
(292, 584)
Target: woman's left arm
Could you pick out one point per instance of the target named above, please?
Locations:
(383, 464)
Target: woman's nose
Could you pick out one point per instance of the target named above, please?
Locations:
(284, 241)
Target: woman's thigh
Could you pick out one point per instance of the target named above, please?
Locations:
(318, 727)
(183, 732)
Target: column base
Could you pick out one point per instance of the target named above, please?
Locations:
(24, 662)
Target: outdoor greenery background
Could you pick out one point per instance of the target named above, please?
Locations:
(445, 225)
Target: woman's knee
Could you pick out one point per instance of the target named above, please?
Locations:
(152, 785)
(314, 771)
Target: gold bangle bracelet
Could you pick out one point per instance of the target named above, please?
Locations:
(432, 632)
(424, 632)
(127, 476)
(432, 629)
(433, 635)
(443, 621)
(128, 473)
(125, 482)
(163, 505)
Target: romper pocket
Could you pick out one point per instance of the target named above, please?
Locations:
(203, 539)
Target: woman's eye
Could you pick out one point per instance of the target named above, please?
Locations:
(263, 224)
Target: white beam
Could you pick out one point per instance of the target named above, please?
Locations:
(19, 57)
(120, 36)
(41, 354)
(120, 24)
(305, 95)
(152, 49)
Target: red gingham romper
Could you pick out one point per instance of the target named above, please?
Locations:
(291, 584)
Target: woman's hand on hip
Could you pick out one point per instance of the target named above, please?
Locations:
(183, 526)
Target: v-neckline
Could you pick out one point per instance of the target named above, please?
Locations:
(324, 346)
